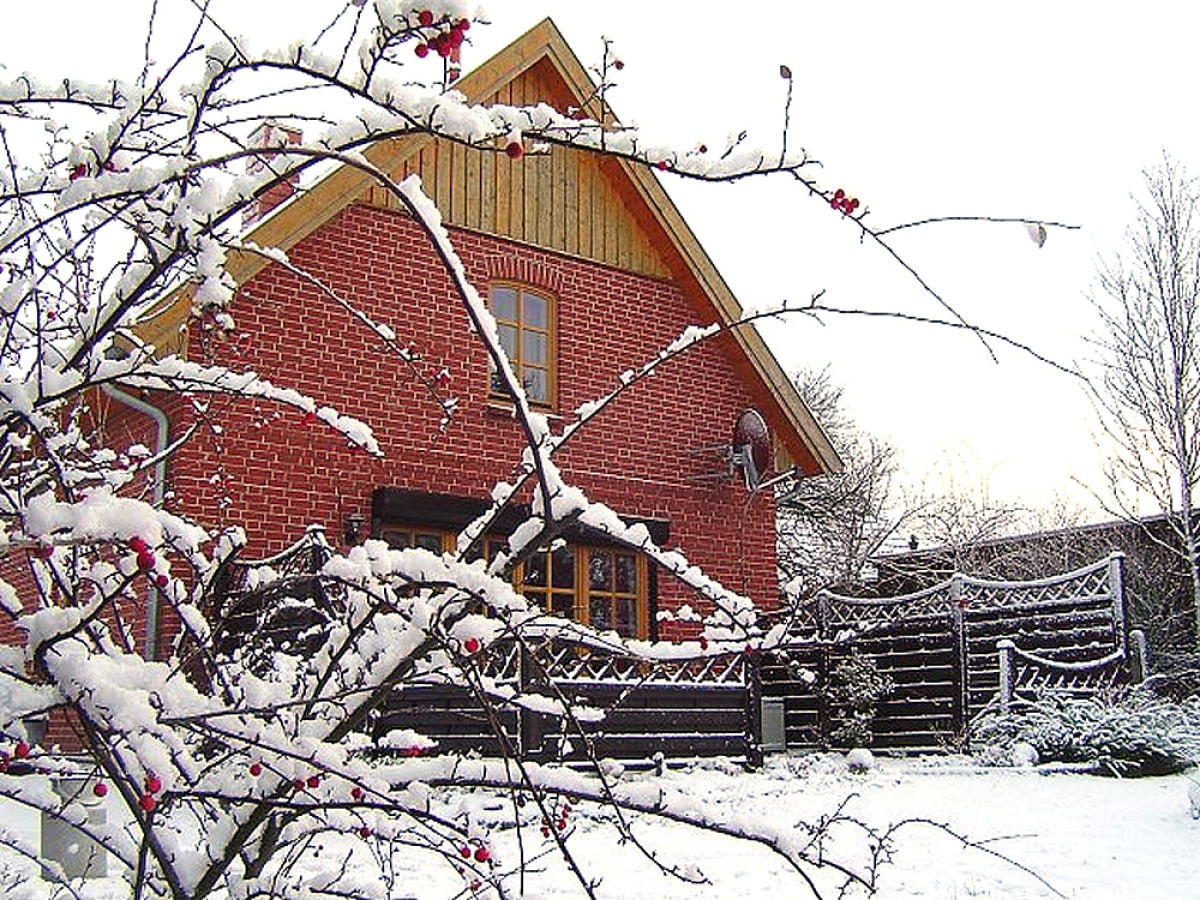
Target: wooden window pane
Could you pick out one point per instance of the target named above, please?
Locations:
(601, 616)
(562, 605)
(626, 573)
(535, 570)
(626, 616)
(428, 541)
(537, 385)
(534, 348)
(535, 311)
(504, 304)
(508, 340)
(563, 571)
(600, 571)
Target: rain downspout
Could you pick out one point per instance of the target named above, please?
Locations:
(159, 492)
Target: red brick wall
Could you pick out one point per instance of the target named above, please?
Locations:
(277, 474)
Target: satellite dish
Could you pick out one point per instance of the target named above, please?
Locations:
(751, 447)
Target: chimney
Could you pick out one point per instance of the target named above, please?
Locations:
(270, 134)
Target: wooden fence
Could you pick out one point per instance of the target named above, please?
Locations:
(943, 647)
(705, 707)
(676, 708)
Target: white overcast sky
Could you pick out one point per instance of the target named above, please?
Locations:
(1042, 109)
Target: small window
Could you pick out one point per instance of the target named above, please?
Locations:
(433, 541)
(525, 321)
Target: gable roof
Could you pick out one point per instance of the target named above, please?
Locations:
(667, 247)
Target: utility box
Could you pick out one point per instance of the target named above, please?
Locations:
(79, 855)
(774, 732)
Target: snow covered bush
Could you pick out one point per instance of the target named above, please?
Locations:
(854, 690)
(1137, 735)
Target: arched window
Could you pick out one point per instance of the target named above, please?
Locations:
(525, 320)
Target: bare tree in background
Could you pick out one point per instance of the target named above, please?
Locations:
(830, 526)
(1147, 390)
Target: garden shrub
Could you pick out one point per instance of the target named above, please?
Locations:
(855, 688)
(1138, 735)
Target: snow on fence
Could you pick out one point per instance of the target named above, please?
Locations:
(1024, 675)
(676, 708)
(939, 648)
(706, 707)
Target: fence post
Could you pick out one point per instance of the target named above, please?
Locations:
(529, 724)
(1116, 585)
(1006, 649)
(1139, 656)
(752, 676)
(958, 626)
(822, 615)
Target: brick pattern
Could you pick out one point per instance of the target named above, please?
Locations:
(269, 471)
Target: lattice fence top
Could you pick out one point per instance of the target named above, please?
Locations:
(564, 660)
(1097, 582)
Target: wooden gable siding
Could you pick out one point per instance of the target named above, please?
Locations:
(565, 200)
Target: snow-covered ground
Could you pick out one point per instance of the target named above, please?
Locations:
(1086, 836)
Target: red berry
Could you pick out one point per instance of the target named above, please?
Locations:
(79, 171)
(463, 25)
(309, 418)
(297, 784)
(853, 205)
(21, 750)
(443, 46)
(454, 38)
(314, 781)
(618, 65)
(703, 643)
(146, 561)
(422, 50)
(703, 148)
(472, 645)
(147, 803)
(412, 751)
(161, 581)
(481, 854)
(662, 165)
(545, 831)
(364, 832)
(44, 552)
(356, 792)
(839, 194)
(255, 769)
(464, 851)
(515, 150)
(153, 784)
(100, 789)
(138, 544)
(425, 17)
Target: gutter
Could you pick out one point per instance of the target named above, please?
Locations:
(162, 428)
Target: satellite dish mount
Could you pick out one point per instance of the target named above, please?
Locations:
(749, 450)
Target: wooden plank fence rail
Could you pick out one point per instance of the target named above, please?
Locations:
(689, 707)
(705, 707)
(940, 649)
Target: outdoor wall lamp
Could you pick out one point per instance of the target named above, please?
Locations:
(354, 524)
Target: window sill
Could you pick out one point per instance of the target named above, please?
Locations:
(505, 409)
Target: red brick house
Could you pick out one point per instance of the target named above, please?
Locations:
(590, 271)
